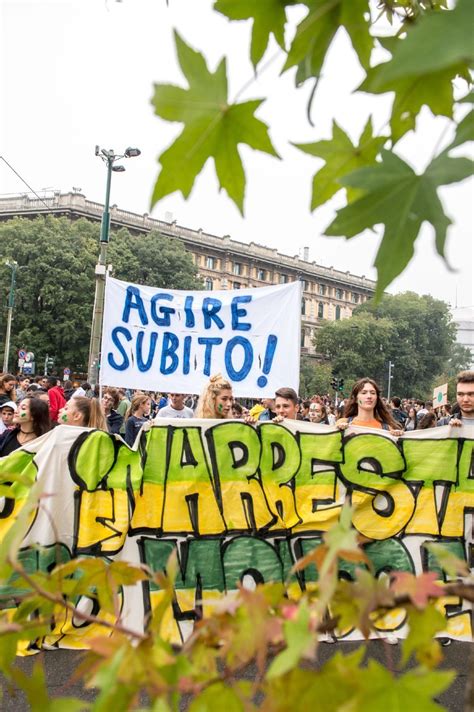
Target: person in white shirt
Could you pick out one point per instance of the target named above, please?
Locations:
(176, 407)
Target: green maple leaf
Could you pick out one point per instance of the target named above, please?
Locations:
(464, 131)
(342, 157)
(446, 39)
(316, 32)
(414, 690)
(213, 128)
(269, 17)
(395, 196)
(434, 90)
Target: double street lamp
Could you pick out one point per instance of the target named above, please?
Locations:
(109, 158)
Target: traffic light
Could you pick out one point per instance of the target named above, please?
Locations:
(50, 362)
(341, 384)
(334, 384)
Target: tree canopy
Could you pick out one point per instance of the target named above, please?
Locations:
(415, 333)
(54, 294)
(420, 52)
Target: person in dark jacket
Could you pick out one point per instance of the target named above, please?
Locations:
(110, 401)
(397, 413)
(68, 389)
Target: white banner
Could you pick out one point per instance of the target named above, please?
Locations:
(172, 341)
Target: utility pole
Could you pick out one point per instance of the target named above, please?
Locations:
(11, 301)
(391, 366)
(109, 158)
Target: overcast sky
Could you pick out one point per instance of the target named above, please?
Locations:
(76, 73)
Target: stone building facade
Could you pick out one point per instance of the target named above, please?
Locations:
(223, 263)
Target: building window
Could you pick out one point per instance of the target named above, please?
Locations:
(211, 262)
(322, 289)
(262, 274)
(209, 284)
(303, 306)
(235, 285)
(339, 294)
(303, 336)
(354, 298)
(238, 269)
(320, 310)
(306, 285)
(338, 312)
(283, 278)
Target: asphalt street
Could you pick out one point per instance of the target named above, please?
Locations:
(60, 665)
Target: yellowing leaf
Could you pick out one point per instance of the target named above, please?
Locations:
(213, 128)
(420, 641)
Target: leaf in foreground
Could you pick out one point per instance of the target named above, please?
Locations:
(414, 690)
(341, 157)
(213, 128)
(299, 638)
(396, 197)
(445, 38)
(434, 90)
(317, 30)
(269, 17)
(420, 642)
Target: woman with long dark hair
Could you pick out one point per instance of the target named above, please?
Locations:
(31, 420)
(366, 408)
(411, 422)
(7, 388)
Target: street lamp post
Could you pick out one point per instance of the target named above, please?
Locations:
(109, 158)
(391, 366)
(11, 300)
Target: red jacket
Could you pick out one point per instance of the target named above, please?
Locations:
(56, 402)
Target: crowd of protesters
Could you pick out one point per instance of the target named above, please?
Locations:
(30, 408)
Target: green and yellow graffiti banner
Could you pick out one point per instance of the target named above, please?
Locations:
(240, 503)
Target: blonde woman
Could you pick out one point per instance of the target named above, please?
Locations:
(136, 416)
(84, 412)
(216, 399)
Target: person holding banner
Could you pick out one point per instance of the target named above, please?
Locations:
(465, 399)
(366, 408)
(216, 399)
(137, 416)
(286, 404)
(83, 412)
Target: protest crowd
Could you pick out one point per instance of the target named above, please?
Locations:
(30, 407)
